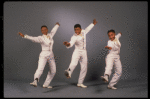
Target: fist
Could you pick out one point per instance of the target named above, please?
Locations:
(108, 47)
(20, 34)
(66, 43)
(94, 21)
(58, 23)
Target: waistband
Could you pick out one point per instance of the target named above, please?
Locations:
(80, 49)
(47, 50)
(113, 55)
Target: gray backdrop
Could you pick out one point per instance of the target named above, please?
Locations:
(21, 55)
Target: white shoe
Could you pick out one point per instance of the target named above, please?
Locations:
(105, 78)
(109, 87)
(67, 74)
(47, 86)
(81, 85)
(34, 83)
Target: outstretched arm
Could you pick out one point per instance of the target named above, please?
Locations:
(90, 26)
(33, 39)
(53, 31)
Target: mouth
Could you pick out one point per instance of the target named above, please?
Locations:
(44, 33)
(112, 39)
(77, 33)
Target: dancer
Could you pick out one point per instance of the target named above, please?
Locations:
(46, 41)
(80, 53)
(113, 58)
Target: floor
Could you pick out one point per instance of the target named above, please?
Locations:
(126, 88)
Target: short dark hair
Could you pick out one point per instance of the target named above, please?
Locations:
(43, 26)
(111, 31)
(77, 25)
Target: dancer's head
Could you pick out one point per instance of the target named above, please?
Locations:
(77, 29)
(111, 34)
(44, 29)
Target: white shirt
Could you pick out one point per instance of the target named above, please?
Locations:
(115, 45)
(80, 40)
(46, 41)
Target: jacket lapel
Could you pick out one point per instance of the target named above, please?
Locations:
(47, 39)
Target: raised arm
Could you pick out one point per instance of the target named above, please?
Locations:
(53, 31)
(90, 26)
(33, 39)
(119, 35)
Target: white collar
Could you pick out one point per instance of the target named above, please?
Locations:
(44, 35)
(47, 36)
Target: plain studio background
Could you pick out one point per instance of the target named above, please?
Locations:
(21, 55)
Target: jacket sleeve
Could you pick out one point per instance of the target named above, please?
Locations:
(53, 31)
(89, 28)
(33, 39)
(72, 41)
(118, 35)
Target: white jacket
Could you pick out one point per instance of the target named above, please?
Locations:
(46, 41)
(80, 40)
(115, 44)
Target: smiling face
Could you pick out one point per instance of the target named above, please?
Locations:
(77, 30)
(111, 36)
(44, 30)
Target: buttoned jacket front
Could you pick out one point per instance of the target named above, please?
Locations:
(80, 40)
(115, 45)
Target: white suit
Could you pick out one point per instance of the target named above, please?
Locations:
(46, 54)
(80, 53)
(113, 58)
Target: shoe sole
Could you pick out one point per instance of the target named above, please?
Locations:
(47, 87)
(33, 85)
(81, 87)
(110, 88)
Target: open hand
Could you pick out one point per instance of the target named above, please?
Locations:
(58, 23)
(94, 21)
(20, 34)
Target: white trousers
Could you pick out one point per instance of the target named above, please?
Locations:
(113, 60)
(41, 64)
(81, 56)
